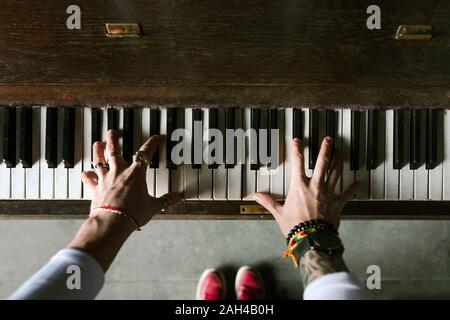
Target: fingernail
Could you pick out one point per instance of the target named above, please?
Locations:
(296, 140)
(329, 139)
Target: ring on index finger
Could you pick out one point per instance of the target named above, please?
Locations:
(140, 156)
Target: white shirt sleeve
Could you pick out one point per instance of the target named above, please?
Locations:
(334, 286)
(70, 274)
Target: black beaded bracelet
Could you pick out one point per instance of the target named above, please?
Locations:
(319, 224)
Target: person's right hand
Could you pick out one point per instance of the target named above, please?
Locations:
(310, 198)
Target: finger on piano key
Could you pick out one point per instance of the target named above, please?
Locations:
(377, 175)
(338, 143)
(155, 128)
(128, 134)
(150, 174)
(75, 184)
(421, 173)
(48, 160)
(263, 173)
(25, 137)
(9, 137)
(330, 126)
(205, 186)
(112, 118)
(91, 133)
(17, 173)
(293, 128)
(435, 137)
(32, 174)
(235, 174)
(277, 172)
(5, 173)
(249, 175)
(177, 174)
(191, 174)
(446, 156)
(348, 173)
(220, 173)
(306, 142)
(61, 172)
(162, 173)
(406, 174)
(255, 124)
(362, 174)
(314, 137)
(392, 174)
(68, 152)
(170, 128)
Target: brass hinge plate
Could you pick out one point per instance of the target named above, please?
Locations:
(253, 209)
(123, 30)
(413, 32)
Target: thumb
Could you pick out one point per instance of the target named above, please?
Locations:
(268, 202)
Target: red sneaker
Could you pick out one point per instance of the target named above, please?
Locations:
(249, 284)
(211, 285)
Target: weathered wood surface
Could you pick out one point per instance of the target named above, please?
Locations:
(225, 52)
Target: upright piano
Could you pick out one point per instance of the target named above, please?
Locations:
(307, 68)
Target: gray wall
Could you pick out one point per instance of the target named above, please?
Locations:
(165, 260)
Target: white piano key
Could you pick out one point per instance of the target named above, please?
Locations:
(235, 181)
(47, 175)
(277, 174)
(5, 173)
(74, 174)
(249, 176)
(305, 142)
(18, 172)
(162, 173)
(150, 174)
(446, 156)
(263, 174)
(220, 173)
(87, 147)
(406, 174)
(435, 175)
(421, 173)
(377, 174)
(348, 176)
(205, 178)
(177, 175)
(191, 175)
(32, 174)
(392, 175)
(104, 124)
(61, 173)
(362, 175)
(288, 133)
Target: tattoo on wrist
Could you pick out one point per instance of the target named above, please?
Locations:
(316, 263)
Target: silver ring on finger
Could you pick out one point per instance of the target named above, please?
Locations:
(139, 156)
(113, 154)
(103, 165)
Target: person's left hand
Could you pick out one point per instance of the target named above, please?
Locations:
(122, 186)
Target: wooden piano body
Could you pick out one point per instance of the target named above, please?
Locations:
(222, 53)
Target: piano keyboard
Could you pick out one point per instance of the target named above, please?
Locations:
(395, 155)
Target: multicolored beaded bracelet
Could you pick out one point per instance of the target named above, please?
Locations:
(118, 212)
(318, 223)
(294, 241)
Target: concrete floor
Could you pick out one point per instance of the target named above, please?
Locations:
(165, 260)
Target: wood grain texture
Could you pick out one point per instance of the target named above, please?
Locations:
(225, 210)
(220, 52)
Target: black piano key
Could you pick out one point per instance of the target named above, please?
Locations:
(432, 139)
(230, 162)
(113, 119)
(26, 137)
(128, 135)
(68, 154)
(355, 140)
(51, 137)
(273, 124)
(9, 137)
(96, 125)
(372, 139)
(297, 123)
(213, 123)
(255, 124)
(171, 126)
(155, 130)
(415, 141)
(331, 126)
(313, 137)
(399, 140)
(197, 139)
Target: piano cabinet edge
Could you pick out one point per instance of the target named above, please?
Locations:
(228, 210)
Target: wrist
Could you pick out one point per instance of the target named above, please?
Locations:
(109, 222)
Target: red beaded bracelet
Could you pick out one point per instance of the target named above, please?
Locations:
(118, 212)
